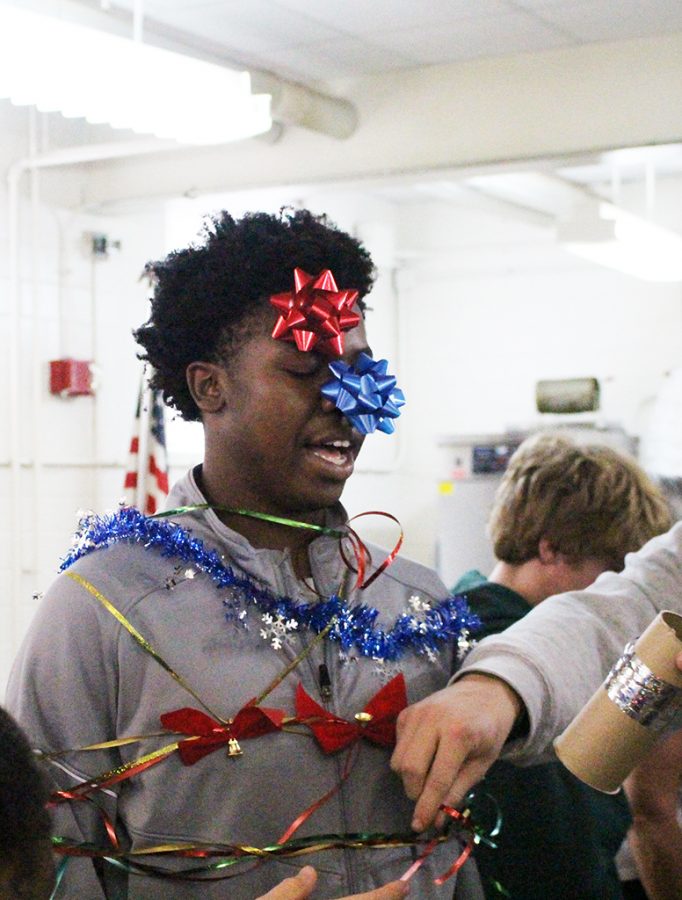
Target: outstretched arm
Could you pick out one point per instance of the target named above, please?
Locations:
(547, 665)
(447, 742)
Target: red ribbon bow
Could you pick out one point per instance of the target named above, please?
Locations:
(250, 722)
(315, 313)
(376, 722)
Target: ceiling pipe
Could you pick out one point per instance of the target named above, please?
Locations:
(305, 107)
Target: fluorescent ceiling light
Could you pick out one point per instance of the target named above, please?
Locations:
(618, 239)
(58, 66)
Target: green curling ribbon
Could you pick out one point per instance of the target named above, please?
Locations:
(251, 514)
(129, 862)
(59, 874)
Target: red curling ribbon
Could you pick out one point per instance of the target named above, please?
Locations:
(363, 557)
(362, 554)
(58, 796)
(315, 313)
(250, 722)
(307, 813)
(333, 733)
(464, 821)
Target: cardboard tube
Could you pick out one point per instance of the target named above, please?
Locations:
(626, 716)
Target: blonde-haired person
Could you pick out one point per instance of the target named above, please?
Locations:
(563, 514)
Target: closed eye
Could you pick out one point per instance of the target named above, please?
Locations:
(308, 372)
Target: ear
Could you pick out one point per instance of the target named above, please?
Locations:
(547, 555)
(207, 386)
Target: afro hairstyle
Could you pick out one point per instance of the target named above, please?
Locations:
(206, 295)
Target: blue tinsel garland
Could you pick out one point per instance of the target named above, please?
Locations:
(355, 628)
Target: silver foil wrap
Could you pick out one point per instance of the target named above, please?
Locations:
(635, 689)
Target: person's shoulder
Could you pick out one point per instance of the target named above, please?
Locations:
(120, 573)
(496, 606)
(670, 542)
(471, 579)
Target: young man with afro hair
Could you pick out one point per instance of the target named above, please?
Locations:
(246, 594)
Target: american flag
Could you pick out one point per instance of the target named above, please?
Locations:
(146, 481)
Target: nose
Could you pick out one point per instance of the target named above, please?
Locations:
(329, 407)
(327, 404)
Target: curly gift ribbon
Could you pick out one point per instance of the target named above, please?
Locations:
(362, 554)
(363, 557)
(315, 313)
(365, 393)
(232, 854)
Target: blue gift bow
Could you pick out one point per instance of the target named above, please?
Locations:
(365, 393)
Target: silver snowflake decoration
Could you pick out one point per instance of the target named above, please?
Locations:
(81, 540)
(180, 573)
(235, 613)
(385, 669)
(431, 654)
(419, 609)
(465, 643)
(84, 517)
(418, 605)
(277, 629)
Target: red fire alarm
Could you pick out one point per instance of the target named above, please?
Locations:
(71, 377)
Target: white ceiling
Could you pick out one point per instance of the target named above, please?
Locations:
(326, 40)
(310, 40)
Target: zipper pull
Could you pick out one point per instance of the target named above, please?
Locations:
(325, 682)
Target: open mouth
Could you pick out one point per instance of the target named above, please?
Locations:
(337, 453)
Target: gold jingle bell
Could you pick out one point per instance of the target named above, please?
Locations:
(363, 718)
(233, 748)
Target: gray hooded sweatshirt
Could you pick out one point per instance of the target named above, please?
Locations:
(81, 678)
(561, 652)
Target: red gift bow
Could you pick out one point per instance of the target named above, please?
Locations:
(250, 722)
(333, 733)
(315, 313)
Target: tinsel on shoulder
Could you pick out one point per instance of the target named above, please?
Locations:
(355, 627)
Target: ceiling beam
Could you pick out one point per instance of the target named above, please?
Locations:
(491, 111)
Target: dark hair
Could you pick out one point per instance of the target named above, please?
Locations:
(205, 295)
(24, 820)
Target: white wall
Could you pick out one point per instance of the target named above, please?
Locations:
(72, 451)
